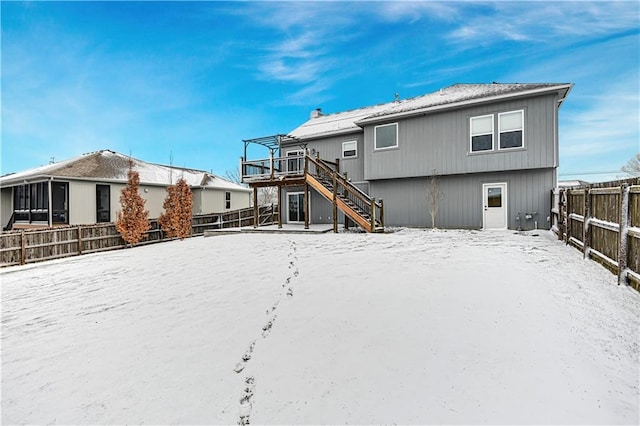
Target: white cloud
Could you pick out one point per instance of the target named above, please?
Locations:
(542, 21)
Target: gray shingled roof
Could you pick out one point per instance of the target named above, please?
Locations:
(107, 165)
(455, 95)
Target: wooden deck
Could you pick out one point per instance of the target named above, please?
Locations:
(322, 176)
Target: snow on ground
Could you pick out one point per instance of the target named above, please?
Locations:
(408, 327)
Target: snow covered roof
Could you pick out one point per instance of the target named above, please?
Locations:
(457, 95)
(108, 165)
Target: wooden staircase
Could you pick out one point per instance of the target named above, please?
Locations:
(324, 177)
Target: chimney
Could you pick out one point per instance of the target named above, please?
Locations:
(316, 113)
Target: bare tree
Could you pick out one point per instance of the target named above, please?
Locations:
(233, 176)
(434, 196)
(267, 195)
(633, 166)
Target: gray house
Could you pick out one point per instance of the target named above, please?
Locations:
(492, 147)
(86, 190)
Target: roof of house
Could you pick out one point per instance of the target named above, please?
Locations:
(457, 95)
(108, 165)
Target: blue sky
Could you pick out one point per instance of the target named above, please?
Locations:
(189, 81)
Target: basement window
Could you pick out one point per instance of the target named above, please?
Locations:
(349, 149)
(385, 136)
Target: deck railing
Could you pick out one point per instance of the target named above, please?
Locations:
(325, 172)
(272, 168)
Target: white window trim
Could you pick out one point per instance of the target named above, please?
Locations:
(356, 149)
(375, 147)
(308, 202)
(521, 129)
(471, 135)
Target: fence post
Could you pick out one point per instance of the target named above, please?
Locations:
(79, 240)
(23, 249)
(586, 235)
(335, 202)
(623, 241)
(561, 213)
(569, 211)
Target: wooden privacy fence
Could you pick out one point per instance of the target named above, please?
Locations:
(603, 221)
(27, 246)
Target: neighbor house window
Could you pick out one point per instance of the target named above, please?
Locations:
(31, 202)
(386, 136)
(511, 125)
(482, 133)
(349, 149)
(227, 200)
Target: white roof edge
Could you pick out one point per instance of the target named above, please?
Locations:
(328, 133)
(379, 118)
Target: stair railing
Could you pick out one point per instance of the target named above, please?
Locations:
(353, 196)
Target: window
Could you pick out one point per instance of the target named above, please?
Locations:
(349, 149)
(227, 200)
(511, 125)
(31, 202)
(103, 203)
(482, 133)
(295, 164)
(59, 202)
(386, 136)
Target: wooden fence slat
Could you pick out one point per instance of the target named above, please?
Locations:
(28, 246)
(607, 219)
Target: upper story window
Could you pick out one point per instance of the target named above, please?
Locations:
(511, 125)
(349, 149)
(482, 133)
(510, 131)
(227, 200)
(386, 136)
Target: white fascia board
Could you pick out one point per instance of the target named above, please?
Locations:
(465, 103)
(323, 135)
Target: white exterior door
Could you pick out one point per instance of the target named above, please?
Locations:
(494, 204)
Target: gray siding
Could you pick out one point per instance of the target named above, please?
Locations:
(441, 142)
(405, 201)
(331, 148)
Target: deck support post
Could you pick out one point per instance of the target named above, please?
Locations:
(381, 212)
(255, 209)
(279, 207)
(373, 214)
(271, 163)
(306, 205)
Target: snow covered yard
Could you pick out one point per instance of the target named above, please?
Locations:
(409, 327)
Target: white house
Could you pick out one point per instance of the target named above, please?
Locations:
(86, 190)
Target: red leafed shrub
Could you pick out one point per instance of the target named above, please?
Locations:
(133, 219)
(178, 211)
